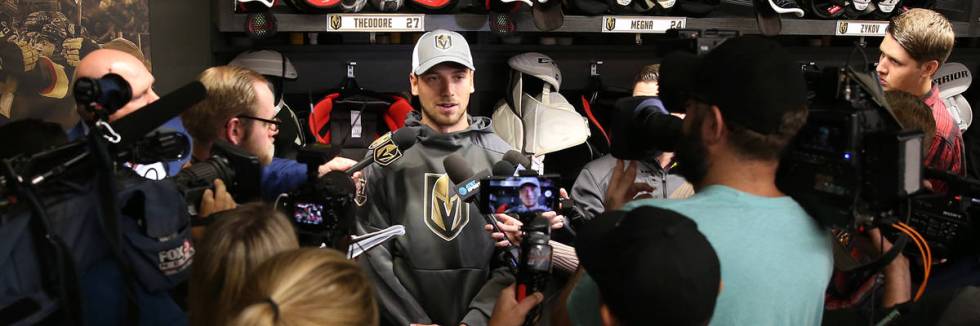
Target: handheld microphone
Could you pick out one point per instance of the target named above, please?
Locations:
(468, 186)
(387, 148)
(467, 183)
(517, 158)
(504, 169)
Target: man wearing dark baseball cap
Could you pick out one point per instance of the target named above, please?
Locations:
(652, 267)
(744, 102)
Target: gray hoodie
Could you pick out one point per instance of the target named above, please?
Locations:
(439, 271)
(590, 186)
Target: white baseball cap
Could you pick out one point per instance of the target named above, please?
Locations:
(440, 46)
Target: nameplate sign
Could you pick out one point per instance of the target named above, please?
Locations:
(641, 24)
(375, 23)
(861, 28)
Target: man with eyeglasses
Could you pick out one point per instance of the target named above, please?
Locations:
(239, 109)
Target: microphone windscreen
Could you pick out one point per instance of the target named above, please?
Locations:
(504, 169)
(517, 158)
(137, 124)
(338, 182)
(405, 137)
(457, 168)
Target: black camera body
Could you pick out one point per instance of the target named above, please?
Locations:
(241, 172)
(322, 209)
(946, 223)
(852, 164)
(534, 267)
(106, 94)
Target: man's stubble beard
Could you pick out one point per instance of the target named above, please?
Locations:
(441, 120)
(692, 156)
(264, 156)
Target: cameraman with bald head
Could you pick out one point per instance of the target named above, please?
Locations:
(106, 279)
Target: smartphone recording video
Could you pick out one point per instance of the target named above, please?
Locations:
(519, 195)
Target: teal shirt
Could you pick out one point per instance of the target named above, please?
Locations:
(776, 261)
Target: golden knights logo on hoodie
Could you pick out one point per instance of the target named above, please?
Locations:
(445, 214)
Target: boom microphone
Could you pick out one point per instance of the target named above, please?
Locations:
(134, 126)
(467, 183)
(388, 148)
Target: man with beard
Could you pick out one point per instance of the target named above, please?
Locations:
(747, 101)
(239, 109)
(439, 272)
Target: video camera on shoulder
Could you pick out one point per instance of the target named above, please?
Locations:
(854, 165)
(521, 195)
(241, 172)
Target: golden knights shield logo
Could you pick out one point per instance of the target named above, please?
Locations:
(610, 23)
(843, 28)
(445, 214)
(335, 22)
(443, 42)
(386, 154)
(360, 195)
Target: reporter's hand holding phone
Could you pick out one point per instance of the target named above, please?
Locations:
(510, 227)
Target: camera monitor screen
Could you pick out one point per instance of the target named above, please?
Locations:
(519, 195)
(308, 213)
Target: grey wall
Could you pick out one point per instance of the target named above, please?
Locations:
(181, 32)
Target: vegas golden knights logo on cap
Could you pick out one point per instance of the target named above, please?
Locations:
(443, 41)
(335, 21)
(843, 28)
(445, 214)
(610, 23)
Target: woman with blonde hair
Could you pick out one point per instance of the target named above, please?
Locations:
(308, 287)
(233, 246)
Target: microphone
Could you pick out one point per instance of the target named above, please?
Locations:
(504, 169)
(467, 183)
(517, 158)
(388, 148)
(132, 127)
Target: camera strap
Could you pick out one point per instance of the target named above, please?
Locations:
(106, 186)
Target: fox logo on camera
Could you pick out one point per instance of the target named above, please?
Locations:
(176, 260)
